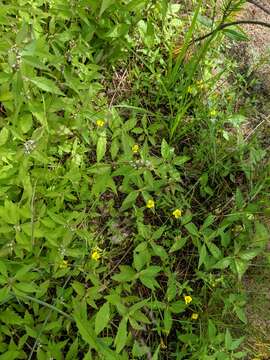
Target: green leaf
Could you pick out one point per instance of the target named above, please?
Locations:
(46, 85)
(102, 318)
(180, 160)
(241, 267)
(167, 321)
(249, 254)
(4, 136)
(73, 351)
(129, 200)
(192, 229)
(121, 336)
(156, 354)
(149, 282)
(86, 331)
(228, 340)
(239, 199)
(241, 314)
(26, 122)
(208, 221)
(126, 274)
(223, 263)
(203, 255)
(101, 147)
(179, 243)
(214, 250)
(105, 5)
(165, 150)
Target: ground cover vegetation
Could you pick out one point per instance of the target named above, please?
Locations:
(133, 189)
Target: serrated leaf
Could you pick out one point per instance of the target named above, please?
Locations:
(102, 318)
(180, 160)
(223, 263)
(126, 274)
(46, 85)
(165, 149)
(214, 250)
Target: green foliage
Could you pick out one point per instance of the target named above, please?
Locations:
(94, 261)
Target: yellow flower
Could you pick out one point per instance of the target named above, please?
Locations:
(213, 113)
(188, 299)
(177, 213)
(150, 204)
(100, 123)
(96, 255)
(194, 316)
(64, 264)
(190, 89)
(135, 148)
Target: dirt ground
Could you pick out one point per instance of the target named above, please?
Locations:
(258, 48)
(256, 55)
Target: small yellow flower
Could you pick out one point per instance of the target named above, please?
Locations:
(188, 299)
(96, 255)
(64, 264)
(177, 213)
(194, 316)
(190, 89)
(213, 113)
(200, 84)
(150, 204)
(100, 123)
(135, 148)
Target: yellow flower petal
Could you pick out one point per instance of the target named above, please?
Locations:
(135, 148)
(150, 204)
(96, 255)
(188, 299)
(64, 264)
(177, 213)
(194, 316)
(100, 123)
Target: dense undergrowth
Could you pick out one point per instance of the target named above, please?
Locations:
(133, 188)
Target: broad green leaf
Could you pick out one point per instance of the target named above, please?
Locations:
(26, 122)
(179, 243)
(126, 274)
(105, 5)
(101, 147)
(86, 331)
(192, 229)
(121, 336)
(167, 321)
(46, 85)
(165, 150)
(129, 200)
(102, 318)
(214, 250)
